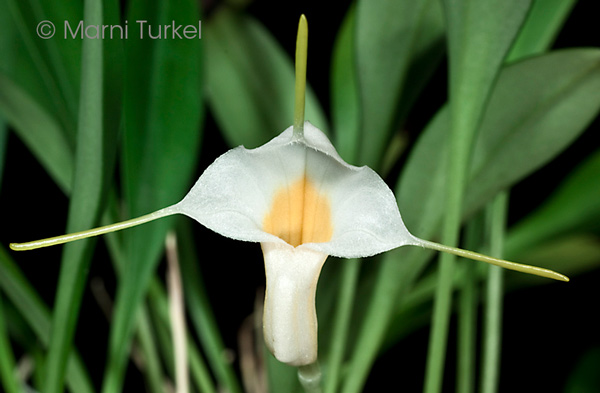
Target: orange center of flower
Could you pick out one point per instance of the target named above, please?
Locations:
(299, 214)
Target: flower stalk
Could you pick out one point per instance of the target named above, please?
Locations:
(310, 377)
(300, 87)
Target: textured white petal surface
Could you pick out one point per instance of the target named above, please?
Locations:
(234, 195)
(290, 318)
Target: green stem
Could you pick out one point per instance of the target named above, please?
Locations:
(177, 316)
(145, 338)
(8, 377)
(436, 354)
(492, 333)
(460, 147)
(350, 271)
(310, 377)
(157, 300)
(467, 331)
(467, 315)
(201, 315)
(199, 370)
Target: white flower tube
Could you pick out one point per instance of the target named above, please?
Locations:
(290, 317)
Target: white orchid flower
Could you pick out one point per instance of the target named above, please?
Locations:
(302, 202)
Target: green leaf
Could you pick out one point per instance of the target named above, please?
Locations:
(113, 74)
(421, 186)
(572, 208)
(519, 133)
(557, 99)
(467, 302)
(541, 128)
(54, 77)
(345, 110)
(147, 344)
(479, 35)
(397, 271)
(493, 299)
(162, 112)
(340, 327)
(572, 254)
(3, 138)
(84, 207)
(8, 375)
(541, 27)
(157, 298)
(25, 299)
(8, 36)
(201, 314)
(537, 34)
(395, 41)
(38, 130)
(61, 54)
(250, 81)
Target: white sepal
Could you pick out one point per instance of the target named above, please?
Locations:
(234, 194)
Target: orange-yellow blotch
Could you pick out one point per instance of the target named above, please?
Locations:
(299, 214)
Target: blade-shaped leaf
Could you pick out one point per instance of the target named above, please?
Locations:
(52, 66)
(85, 204)
(540, 107)
(420, 191)
(250, 81)
(38, 130)
(62, 55)
(334, 316)
(7, 37)
(201, 314)
(541, 27)
(162, 109)
(24, 297)
(345, 111)
(573, 254)
(479, 35)
(8, 377)
(573, 207)
(394, 39)
(3, 137)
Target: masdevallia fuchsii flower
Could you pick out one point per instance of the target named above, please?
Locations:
(302, 202)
